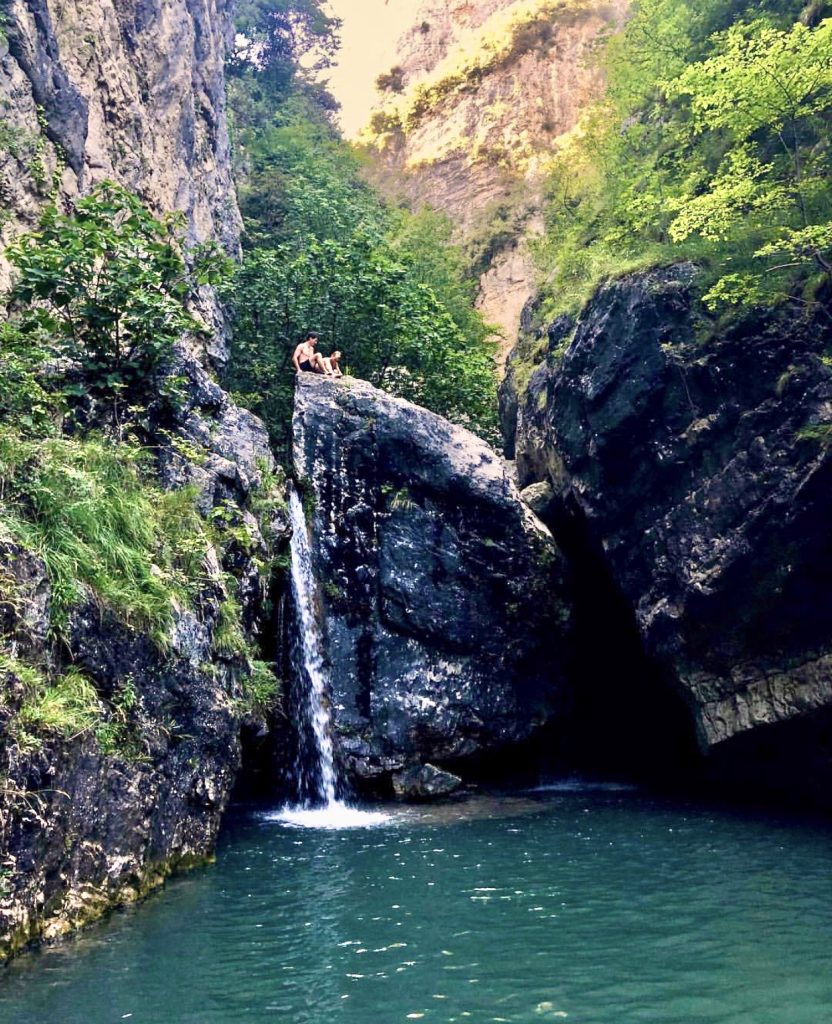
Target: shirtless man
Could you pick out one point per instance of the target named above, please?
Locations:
(306, 358)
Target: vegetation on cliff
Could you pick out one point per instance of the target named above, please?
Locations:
(105, 288)
(711, 143)
(324, 252)
(98, 304)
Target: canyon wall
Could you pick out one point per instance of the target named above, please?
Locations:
(696, 455)
(480, 96)
(134, 92)
(131, 90)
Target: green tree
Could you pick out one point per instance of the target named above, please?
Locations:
(322, 251)
(424, 241)
(763, 84)
(367, 302)
(275, 36)
(711, 144)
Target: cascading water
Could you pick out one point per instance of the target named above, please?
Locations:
(320, 779)
(317, 778)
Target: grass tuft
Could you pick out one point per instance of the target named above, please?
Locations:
(88, 510)
(262, 688)
(69, 706)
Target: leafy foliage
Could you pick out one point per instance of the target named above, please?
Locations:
(89, 510)
(396, 332)
(262, 688)
(274, 36)
(100, 299)
(712, 143)
(68, 705)
(26, 401)
(107, 288)
(763, 84)
(273, 39)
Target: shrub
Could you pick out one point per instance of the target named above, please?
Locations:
(108, 286)
(262, 688)
(392, 81)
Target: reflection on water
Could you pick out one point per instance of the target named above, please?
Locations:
(594, 907)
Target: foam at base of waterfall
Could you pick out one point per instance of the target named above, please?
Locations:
(336, 815)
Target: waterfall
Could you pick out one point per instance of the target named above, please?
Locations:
(317, 779)
(308, 663)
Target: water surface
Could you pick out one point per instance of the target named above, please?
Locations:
(595, 907)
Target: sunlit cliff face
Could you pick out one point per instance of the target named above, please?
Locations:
(478, 95)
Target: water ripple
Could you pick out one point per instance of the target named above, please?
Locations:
(598, 908)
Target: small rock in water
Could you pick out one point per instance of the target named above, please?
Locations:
(424, 782)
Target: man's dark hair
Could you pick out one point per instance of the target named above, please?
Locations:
(312, 334)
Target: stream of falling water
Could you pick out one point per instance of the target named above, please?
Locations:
(309, 646)
(323, 809)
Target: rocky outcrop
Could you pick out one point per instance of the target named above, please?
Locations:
(134, 92)
(101, 818)
(425, 782)
(441, 593)
(698, 456)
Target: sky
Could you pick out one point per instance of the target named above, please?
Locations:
(369, 34)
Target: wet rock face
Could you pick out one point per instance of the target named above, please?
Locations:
(440, 591)
(80, 830)
(700, 459)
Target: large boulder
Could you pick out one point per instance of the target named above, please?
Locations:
(698, 455)
(441, 592)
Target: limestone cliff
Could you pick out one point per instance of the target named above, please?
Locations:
(134, 92)
(697, 456)
(442, 595)
(481, 93)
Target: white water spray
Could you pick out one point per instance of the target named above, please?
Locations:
(309, 666)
